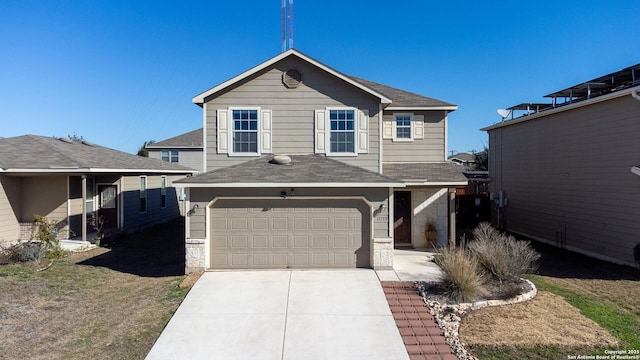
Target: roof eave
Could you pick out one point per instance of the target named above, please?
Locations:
(556, 110)
(402, 108)
(291, 184)
(435, 183)
(200, 98)
(96, 170)
(160, 147)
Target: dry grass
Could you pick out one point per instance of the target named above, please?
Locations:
(584, 306)
(462, 279)
(85, 307)
(623, 293)
(547, 319)
(501, 255)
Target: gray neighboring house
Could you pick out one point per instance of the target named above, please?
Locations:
(568, 174)
(185, 149)
(69, 181)
(361, 169)
(464, 159)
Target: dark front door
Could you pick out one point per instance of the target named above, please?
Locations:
(108, 205)
(402, 218)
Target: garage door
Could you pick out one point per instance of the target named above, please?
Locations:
(289, 233)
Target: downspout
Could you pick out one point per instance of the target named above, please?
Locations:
(380, 145)
(204, 137)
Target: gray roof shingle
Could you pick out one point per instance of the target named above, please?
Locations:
(192, 139)
(302, 169)
(32, 152)
(399, 97)
(443, 172)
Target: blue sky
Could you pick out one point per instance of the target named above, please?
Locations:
(122, 72)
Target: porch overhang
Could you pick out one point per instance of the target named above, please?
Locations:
(409, 183)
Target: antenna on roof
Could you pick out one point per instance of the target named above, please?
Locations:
(284, 25)
(287, 25)
(290, 24)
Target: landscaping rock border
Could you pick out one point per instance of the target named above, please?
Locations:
(448, 316)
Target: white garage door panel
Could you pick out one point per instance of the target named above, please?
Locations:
(289, 234)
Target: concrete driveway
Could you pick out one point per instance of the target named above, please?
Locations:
(292, 314)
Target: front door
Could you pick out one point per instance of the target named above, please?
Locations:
(402, 218)
(108, 205)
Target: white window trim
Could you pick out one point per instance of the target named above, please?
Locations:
(395, 129)
(232, 130)
(355, 132)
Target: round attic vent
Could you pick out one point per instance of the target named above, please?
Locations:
(281, 160)
(292, 78)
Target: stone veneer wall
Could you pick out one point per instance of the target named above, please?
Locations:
(382, 254)
(194, 255)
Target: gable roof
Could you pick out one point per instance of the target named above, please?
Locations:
(303, 171)
(192, 139)
(401, 99)
(41, 154)
(443, 173)
(463, 157)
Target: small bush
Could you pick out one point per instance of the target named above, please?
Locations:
(4, 256)
(47, 235)
(25, 252)
(501, 255)
(462, 280)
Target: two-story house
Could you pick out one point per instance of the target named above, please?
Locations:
(567, 173)
(307, 167)
(185, 149)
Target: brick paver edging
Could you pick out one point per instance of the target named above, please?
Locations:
(421, 335)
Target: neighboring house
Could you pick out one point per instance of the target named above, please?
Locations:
(69, 181)
(185, 150)
(567, 175)
(463, 159)
(362, 166)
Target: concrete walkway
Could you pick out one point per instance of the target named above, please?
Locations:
(412, 265)
(315, 314)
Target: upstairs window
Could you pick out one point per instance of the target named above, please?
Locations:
(342, 137)
(403, 127)
(245, 131)
(169, 155)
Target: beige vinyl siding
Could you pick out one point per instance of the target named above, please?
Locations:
(202, 197)
(155, 214)
(292, 111)
(9, 209)
(191, 158)
(567, 177)
(428, 149)
(44, 195)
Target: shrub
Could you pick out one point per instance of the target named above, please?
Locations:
(462, 280)
(501, 255)
(47, 235)
(25, 252)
